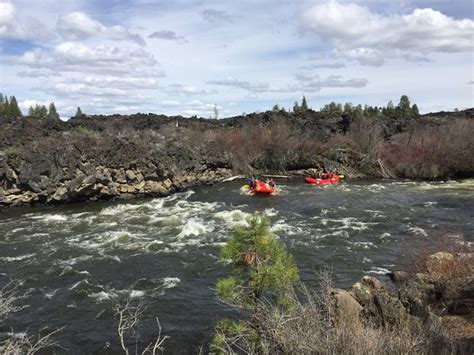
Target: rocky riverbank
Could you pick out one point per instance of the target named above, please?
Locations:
(437, 298)
(106, 157)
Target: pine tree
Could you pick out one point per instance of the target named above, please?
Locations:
(304, 105)
(415, 112)
(389, 110)
(52, 113)
(31, 111)
(296, 107)
(262, 268)
(78, 113)
(404, 108)
(2, 105)
(6, 107)
(276, 108)
(14, 110)
(348, 108)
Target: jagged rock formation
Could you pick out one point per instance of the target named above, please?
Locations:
(439, 294)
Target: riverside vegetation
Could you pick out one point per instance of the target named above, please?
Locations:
(428, 309)
(44, 160)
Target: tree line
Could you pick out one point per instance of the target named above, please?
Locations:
(9, 108)
(404, 109)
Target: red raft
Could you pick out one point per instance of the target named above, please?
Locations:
(263, 188)
(316, 181)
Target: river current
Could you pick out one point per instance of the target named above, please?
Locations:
(76, 262)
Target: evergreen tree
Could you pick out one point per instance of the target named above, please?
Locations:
(403, 109)
(304, 105)
(276, 108)
(296, 107)
(39, 111)
(2, 105)
(14, 110)
(415, 111)
(6, 107)
(348, 108)
(52, 113)
(262, 268)
(78, 113)
(332, 110)
(389, 110)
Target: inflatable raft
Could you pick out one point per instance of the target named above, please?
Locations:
(316, 181)
(260, 188)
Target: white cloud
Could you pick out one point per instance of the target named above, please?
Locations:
(13, 28)
(100, 59)
(241, 84)
(178, 89)
(358, 33)
(167, 35)
(79, 26)
(213, 16)
(312, 82)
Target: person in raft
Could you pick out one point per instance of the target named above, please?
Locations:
(270, 182)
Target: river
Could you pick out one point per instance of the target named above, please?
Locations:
(76, 262)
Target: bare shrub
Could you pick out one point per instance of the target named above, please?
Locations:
(366, 135)
(25, 344)
(21, 343)
(432, 152)
(129, 317)
(8, 299)
(312, 326)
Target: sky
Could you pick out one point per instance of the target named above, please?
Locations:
(188, 56)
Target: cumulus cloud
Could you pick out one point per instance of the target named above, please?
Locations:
(335, 65)
(82, 58)
(358, 33)
(79, 26)
(167, 35)
(13, 28)
(241, 84)
(312, 82)
(213, 16)
(179, 89)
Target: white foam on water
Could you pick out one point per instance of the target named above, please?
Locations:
(282, 226)
(351, 223)
(136, 293)
(73, 261)
(366, 260)
(450, 184)
(51, 294)
(50, 218)
(16, 230)
(430, 203)
(270, 212)
(378, 271)
(376, 188)
(16, 258)
(418, 231)
(364, 245)
(103, 296)
(195, 227)
(119, 209)
(233, 218)
(170, 282)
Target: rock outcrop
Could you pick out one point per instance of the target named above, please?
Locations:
(441, 295)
